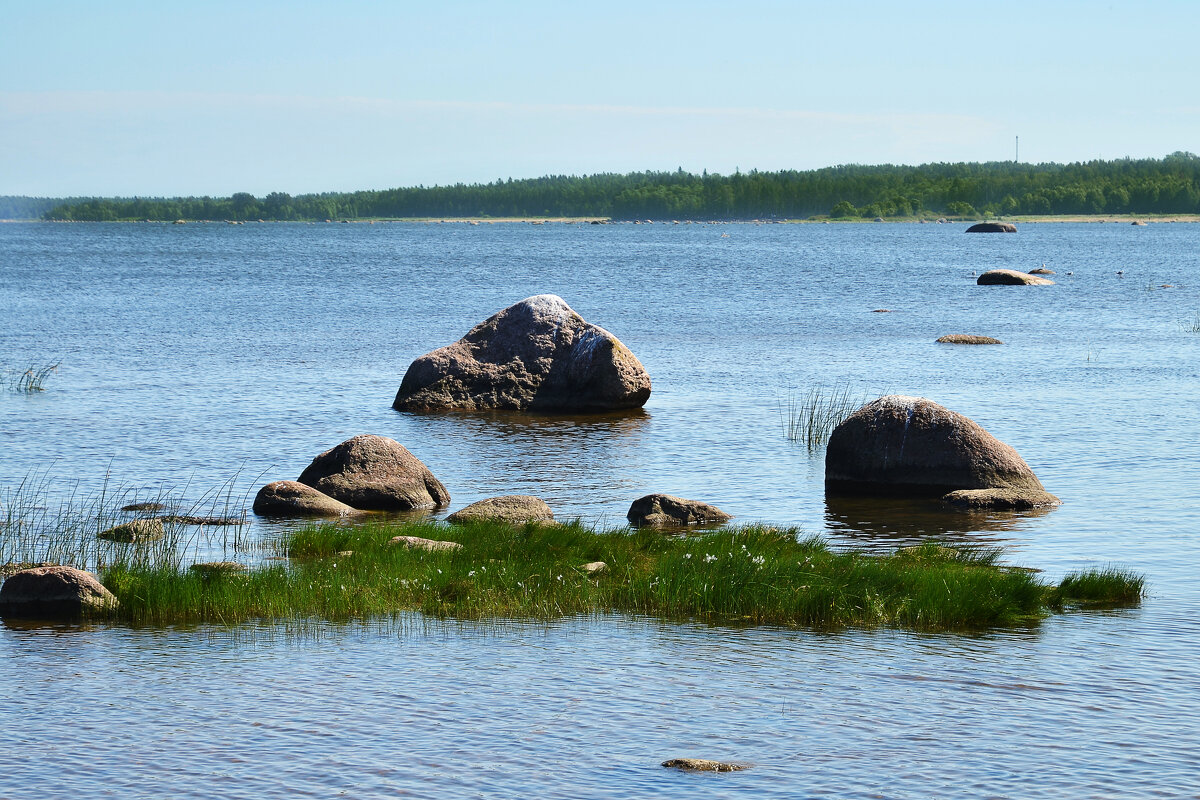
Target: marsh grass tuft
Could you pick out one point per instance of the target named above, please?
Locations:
(1193, 326)
(1098, 588)
(810, 418)
(751, 575)
(30, 380)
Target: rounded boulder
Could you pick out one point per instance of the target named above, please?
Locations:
(910, 445)
(295, 499)
(375, 473)
(992, 227)
(53, 593)
(536, 355)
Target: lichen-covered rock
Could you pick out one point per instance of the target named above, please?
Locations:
(53, 593)
(417, 543)
(992, 227)
(295, 499)
(375, 473)
(910, 445)
(704, 765)
(509, 508)
(1000, 499)
(536, 355)
(967, 338)
(660, 510)
(138, 530)
(1011, 277)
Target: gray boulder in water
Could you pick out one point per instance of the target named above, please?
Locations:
(375, 473)
(665, 510)
(906, 445)
(536, 355)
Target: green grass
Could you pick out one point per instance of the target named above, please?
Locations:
(1098, 588)
(752, 575)
(810, 418)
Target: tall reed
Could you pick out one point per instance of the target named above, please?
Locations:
(810, 418)
(31, 379)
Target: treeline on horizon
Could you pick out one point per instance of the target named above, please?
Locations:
(1170, 185)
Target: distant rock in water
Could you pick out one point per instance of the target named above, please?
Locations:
(967, 338)
(138, 530)
(375, 473)
(1011, 277)
(910, 445)
(992, 227)
(1041, 271)
(664, 510)
(704, 765)
(536, 355)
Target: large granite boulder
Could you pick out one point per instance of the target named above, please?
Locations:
(1011, 277)
(664, 510)
(537, 355)
(516, 508)
(910, 445)
(295, 499)
(992, 227)
(375, 473)
(53, 593)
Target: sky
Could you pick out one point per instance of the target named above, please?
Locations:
(211, 98)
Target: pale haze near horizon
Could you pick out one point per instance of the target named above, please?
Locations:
(154, 99)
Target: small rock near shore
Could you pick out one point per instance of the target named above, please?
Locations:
(295, 499)
(417, 543)
(660, 510)
(54, 593)
(515, 508)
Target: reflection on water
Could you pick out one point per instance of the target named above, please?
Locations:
(899, 521)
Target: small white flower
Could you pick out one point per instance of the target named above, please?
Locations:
(708, 559)
(439, 572)
(471, 574)
(758, 560)
(687, 555)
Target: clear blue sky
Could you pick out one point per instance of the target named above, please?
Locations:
(167, 98)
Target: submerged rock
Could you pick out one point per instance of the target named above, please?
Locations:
(138, 530)
(704, 765)
(1000, 499)
(375, 473)
(1042, 270)
(53, 593)
(536, 355)
(910, 445)
(1011, 277)
(295, 499)
(967, 338)
(992, 227)
(509, 508)
(417, 543)
(658, 510)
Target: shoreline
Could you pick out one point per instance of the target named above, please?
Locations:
(814, 220)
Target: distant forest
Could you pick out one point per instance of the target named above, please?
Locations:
(1170, 185)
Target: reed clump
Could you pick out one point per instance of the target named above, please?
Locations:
(31, 379)
(750, 575)
(810, 418)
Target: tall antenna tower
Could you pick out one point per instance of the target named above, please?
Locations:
(1017, 154)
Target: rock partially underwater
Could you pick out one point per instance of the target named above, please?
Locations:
(53, 593)
(910, 445)
(536, 355)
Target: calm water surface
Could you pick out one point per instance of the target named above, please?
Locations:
(199, 356)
